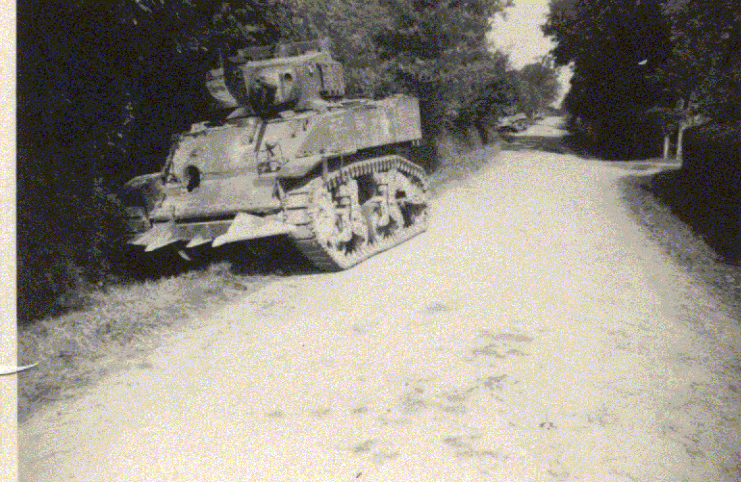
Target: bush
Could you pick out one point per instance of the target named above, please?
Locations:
(712, 156)
(623, 136)
(706, 193)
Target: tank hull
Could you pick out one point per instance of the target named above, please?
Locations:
(234, 182)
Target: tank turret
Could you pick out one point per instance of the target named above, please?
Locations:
(289, 77)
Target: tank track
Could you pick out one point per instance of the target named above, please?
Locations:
(353, 189)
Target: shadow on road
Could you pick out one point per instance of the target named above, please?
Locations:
(548, 135)
(535, 143)
(260, 257)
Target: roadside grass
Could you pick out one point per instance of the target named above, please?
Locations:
(78, 348)
(118, 326)
(455, 168)
(711, 205)
(651, 198)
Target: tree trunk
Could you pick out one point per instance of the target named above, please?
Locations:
(667, 143)
(680, 137)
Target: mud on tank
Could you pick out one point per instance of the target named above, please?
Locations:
(294, 158)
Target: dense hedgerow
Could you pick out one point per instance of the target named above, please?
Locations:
(705, 192)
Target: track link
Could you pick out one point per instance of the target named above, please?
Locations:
(308, 208)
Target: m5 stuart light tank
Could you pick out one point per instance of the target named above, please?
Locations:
(292, 157)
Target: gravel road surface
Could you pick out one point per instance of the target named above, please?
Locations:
(534, 333)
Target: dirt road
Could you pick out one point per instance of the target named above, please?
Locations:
(534, 333)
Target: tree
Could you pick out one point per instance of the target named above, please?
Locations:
(701, 76)
(615, 47)
(538, 87)
(435, 50)
(101, 88)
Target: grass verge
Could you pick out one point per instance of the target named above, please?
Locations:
(80, 347)
(457, 167)
(646, 196)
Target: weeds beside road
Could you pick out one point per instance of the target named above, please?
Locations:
(78, 348)
(682, 242)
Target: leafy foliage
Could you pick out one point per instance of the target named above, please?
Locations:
(615, 47)
(704, 70)
(483, 91)
(101, 87)
(538, 87)
(643, 69)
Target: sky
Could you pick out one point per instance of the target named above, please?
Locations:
(520, 36)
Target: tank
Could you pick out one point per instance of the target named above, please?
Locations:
(293, 157)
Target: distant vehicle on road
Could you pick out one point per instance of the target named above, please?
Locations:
(513, 124)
